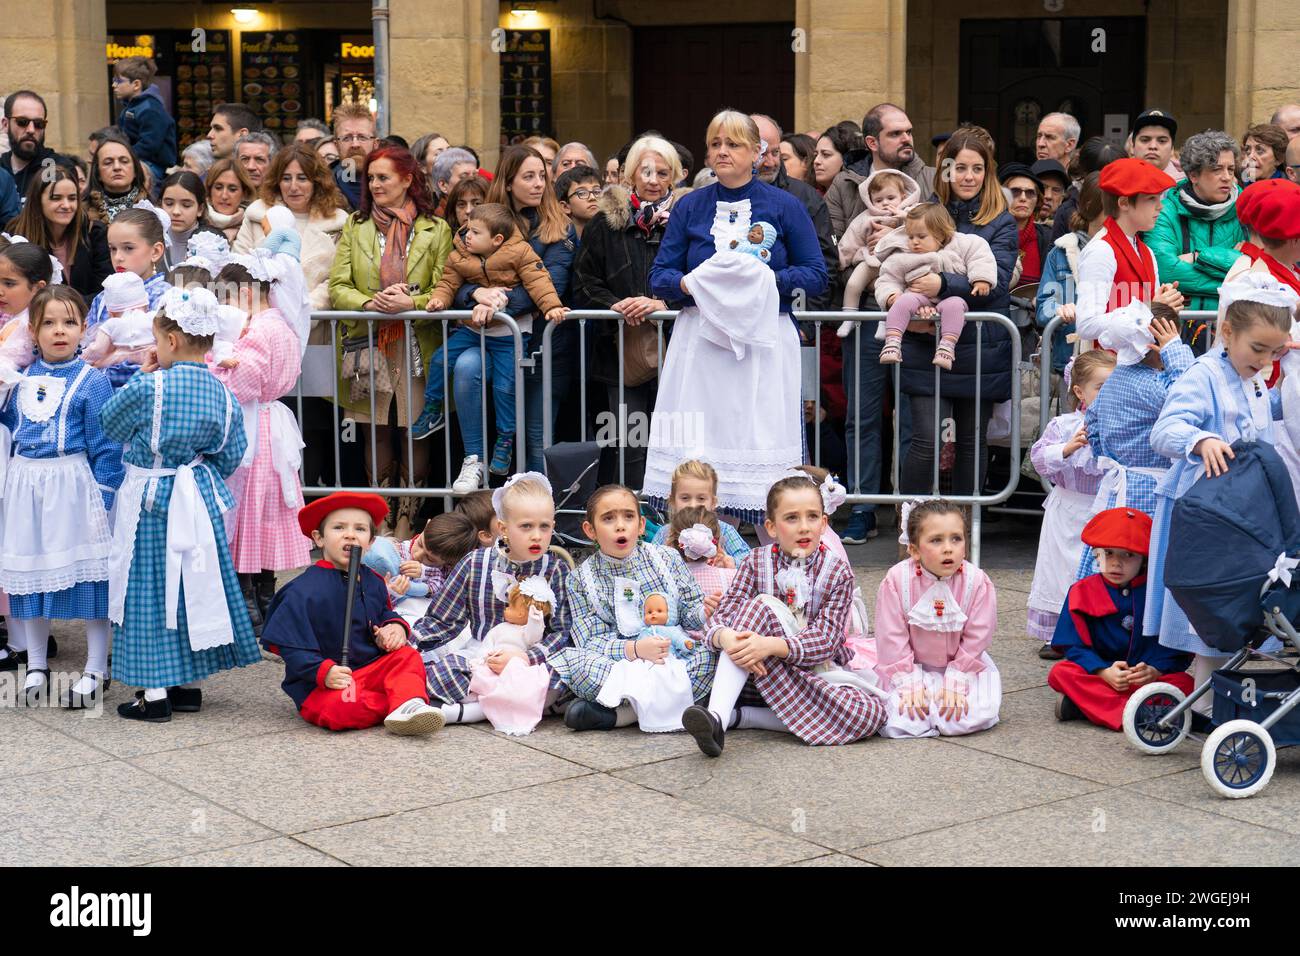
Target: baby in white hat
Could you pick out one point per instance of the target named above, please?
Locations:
(127, 334)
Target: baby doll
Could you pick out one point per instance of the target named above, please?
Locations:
(658, 692)
(656, 625)
(936, 247)
(384, 559)
(513, 700)
(758, 241)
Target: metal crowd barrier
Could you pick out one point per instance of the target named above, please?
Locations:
(322, 361)
(1050, 399)
(976, 499)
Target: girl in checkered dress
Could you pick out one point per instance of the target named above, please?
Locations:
(475, 597)
(935, 618)
(263, 366)
(56, 494)
(606, 615)
(173, 593)
(780, 628)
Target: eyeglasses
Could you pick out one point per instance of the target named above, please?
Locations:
(1023, 193)
(586, 194)
(22, 122)
(355, 138)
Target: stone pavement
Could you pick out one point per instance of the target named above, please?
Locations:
(248, 783)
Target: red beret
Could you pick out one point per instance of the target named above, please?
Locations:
(1133, 177)
(1125, 529)
(1271, 208)
(311, 516)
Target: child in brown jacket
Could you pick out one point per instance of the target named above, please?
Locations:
(490, 252)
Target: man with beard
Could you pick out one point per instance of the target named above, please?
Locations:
(354, 128)
(25, 119)
(888, 134)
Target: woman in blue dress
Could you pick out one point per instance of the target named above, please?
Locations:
(729, 393)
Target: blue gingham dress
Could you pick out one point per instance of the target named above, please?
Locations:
(596, 641)
(467, 599)
(1119, 426)
(73, 430)
(197, 416)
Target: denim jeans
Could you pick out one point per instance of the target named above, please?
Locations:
(864, 427)
(917, 473)
(466, 367)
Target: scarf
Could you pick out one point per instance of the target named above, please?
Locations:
(1279, 272)
(223, 222)
(1198, 208)
(113, 205)
(647, 215)
(396, 225)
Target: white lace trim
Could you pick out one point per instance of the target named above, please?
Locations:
(38, 405)
(56, 579)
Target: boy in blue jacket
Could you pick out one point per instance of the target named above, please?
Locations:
(143, 119)
(1107, 657)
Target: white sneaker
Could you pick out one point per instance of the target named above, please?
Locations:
(470, 477)
(413, 718)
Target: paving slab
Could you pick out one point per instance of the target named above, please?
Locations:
(110, 814)
(34, 747)
(588, 821)
(837, 796)
(308, 777)
(1109, 828)
(1030, 733)
(279, 851)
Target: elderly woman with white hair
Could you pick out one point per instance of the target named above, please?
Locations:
(1197, 238)
(570, 155)
(613, 271)
(735, 257)
(198, 157)
(451, 166)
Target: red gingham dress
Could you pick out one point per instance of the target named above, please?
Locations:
(264, 532)
(816, 711)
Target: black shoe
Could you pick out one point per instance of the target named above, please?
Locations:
(13, 660)
(153, 711)
(75, 701)
(1067, 709)
(588, 715)
(35, 696)
(248, 588)
(702, 724)
(1049, 653)
(264, 586)
(184, 700)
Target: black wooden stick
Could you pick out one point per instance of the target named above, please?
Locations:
(354, 574)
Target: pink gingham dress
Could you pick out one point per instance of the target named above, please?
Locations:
(265, 534)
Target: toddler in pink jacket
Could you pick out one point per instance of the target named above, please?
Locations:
(887, 195)
(935, 246)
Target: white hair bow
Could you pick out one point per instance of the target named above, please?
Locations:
(163, 218)
(697, 542)
(1257, 287)
(196, 310)
(498, 496)
(833, 494)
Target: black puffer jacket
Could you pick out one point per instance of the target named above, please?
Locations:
(994, 383)
(614, 263)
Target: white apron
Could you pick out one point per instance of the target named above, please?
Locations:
(56, 531)
(1065, 512)
(729, 392)
(286, 445)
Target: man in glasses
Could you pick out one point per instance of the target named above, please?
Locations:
(354, 129)
(579, 189)
(25, 120)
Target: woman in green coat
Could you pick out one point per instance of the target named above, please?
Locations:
(1197, 237)
(390, 256)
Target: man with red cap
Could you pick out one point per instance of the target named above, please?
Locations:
(1100, 629)
(1118, 278)
(384, 677)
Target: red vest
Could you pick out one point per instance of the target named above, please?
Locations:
(1279, 272)
(1135, 270)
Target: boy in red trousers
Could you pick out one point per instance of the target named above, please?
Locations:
(1100, 628)
(385, 677)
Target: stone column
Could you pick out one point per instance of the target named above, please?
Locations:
(56, 48)
(1261, 73)
(855, 56)
(444, 72)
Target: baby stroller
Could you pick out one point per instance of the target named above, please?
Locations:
(1233, 566)
(571, 468)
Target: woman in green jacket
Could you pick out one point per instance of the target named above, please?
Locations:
(390, 256)
(1197, 237)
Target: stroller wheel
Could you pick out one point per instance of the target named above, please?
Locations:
(1142, 715)
(1238, 759)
